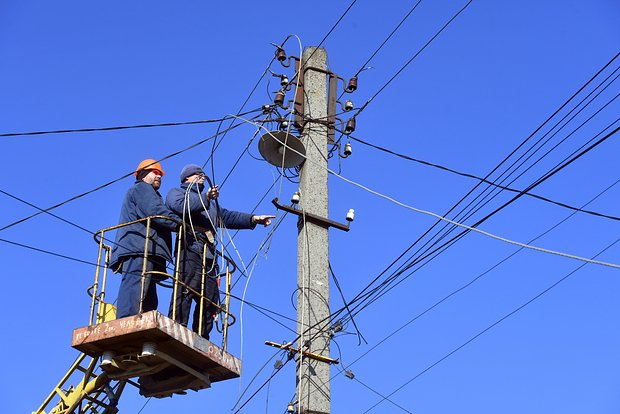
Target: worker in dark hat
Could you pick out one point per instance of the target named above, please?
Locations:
(199, 209)
(137, 291)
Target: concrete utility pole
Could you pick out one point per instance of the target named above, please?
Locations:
(313, 391)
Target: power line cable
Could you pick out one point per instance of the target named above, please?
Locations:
(481, 179)
(445, 245)
(247, 99)
(364, 65)
(557, 111)
(472, 228)
(262, 386)
(494, 324)
(413, 58)
(256, 376)
(21, 200)
(384, 397)
(118, 128)
(109, 183)
(540, 144)
(478, 277)
(342, 16)
(344, 301)
(264, 311)
(559, 167)
(478, 206)
(49, 252)
(335, 24)
(600, 71)
(527, 139)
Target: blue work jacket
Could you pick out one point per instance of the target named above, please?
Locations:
(177, 201)
(141, 201)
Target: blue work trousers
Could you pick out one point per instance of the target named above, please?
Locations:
(129, 298)
(191, 275)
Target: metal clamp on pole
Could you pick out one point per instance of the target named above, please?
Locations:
(313, 218)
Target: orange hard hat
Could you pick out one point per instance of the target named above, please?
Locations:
(149, 165)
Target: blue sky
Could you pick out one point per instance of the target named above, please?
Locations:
(497, 72)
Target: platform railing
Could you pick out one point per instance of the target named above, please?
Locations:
(102, 311)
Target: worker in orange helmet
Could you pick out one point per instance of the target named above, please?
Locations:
(142, 200)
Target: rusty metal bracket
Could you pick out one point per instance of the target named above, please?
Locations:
(311, 355)
(313, 218)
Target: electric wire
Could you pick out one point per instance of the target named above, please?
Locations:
(576, 158)
(256, 376)
(463, 232)
(25, 246)
(342, 16)
(21, 200)
(145, 403)
(262, 386)
(483, 180)
(249, 275)
(344, 301)
(413, 58)
(383, 397)
(497, 322)
(478, 277)
(557, 111)
(547, 176)
(116, 128)
(506, 158)
(108, 183)
(487, 217)
(561, 107)
(557, 169)
(252, 212)
(600, 71)
(473, 228)
(363, 66)
(336, 24)
(525, 157)
(494, 196)
(264, 311)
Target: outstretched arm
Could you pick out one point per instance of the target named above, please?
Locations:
(264, 220)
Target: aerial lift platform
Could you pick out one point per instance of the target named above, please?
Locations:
(164, 356)
(167, 357)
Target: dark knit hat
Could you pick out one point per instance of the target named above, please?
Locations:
(189, 170)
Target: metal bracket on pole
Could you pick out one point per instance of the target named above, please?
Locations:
(307, 354)
(313, 218)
